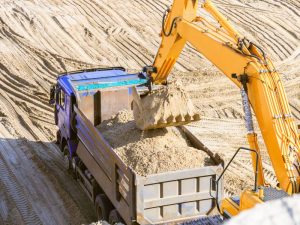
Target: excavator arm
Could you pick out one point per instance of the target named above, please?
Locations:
(246, 65)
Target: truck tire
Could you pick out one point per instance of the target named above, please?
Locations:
(73, 122)
(68, 161)
(114, 217)
(57, 142)
(102, 206)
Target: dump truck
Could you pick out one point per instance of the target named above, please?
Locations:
(84, 99)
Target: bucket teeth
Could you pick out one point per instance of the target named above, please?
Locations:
(196, 117)
(167, 106)
(179, 118)
(161, 121)
(188, 118)
(170, 119)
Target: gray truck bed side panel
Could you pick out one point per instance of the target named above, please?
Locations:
(175, 196)
(114, 177)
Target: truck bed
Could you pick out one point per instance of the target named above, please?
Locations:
(158, 198)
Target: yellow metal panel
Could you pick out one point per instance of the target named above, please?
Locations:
(228, 206)
(249, 199)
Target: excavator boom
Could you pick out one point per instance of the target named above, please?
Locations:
(246, 65)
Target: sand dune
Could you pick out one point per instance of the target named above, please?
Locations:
(39, 39)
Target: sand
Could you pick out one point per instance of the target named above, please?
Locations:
(167, 106)
(39, 39)
(103, 222)
(152, 151)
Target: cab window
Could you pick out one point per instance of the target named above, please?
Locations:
(61, 98)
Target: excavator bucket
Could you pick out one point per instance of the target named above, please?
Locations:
(165, 105)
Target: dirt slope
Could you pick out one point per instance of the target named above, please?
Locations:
(39, 39)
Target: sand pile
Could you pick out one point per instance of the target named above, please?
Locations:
(103, 222)
(151, 151)
(167, 106)
(277, 212)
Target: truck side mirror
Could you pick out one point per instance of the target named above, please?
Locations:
(52, 95)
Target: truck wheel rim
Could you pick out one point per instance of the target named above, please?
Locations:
(99, 213)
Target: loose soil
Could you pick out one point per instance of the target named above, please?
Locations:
(152, 151)
(39, 39)
(167, 106)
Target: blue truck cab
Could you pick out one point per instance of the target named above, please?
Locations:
(73, 85)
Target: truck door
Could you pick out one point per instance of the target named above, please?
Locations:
(61, 112)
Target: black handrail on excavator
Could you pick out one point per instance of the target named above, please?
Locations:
(216, 182)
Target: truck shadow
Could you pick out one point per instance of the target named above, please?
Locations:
(35, 186)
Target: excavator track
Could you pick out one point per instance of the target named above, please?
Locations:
(208, 220)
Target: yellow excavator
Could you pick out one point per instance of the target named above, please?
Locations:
(246, 65)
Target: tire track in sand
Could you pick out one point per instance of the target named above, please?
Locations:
(40, 39)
